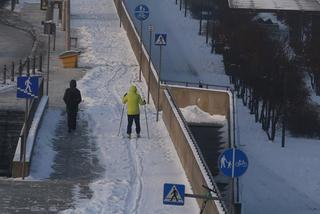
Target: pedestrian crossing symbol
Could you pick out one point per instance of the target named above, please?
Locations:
(173, 194)
(160, 39)
(27, 86)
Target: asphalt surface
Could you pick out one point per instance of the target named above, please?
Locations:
(75, 164)
(12, 49)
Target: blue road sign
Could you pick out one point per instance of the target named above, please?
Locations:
(233, 162)
(141, 12)
(160, 39)
(27, 87)
(173, 194)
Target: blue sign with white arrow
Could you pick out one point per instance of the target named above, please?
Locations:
(173, 194)
(160, 39)
(27, 87)
(141, 12)
(233, 162)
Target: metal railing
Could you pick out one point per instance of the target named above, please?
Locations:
(195, 84)
(27, 66)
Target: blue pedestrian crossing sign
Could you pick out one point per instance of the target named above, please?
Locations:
(160, 39)
(233, 162)
(141, 12)
(173, 194)
(27, 87)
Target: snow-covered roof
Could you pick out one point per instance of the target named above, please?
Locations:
(296, 5)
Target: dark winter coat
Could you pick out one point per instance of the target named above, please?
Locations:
(72, 97)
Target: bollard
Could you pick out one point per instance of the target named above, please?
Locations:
(28, 66)
(12, 72)
(4, 74)
(20, 68)
(40, 63)
(34, 65)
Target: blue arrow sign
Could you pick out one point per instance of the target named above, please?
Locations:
(173, 194)
(141, 12)
(233, 162)
(160, 39)
(27, 87)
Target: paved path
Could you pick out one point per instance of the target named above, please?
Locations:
(12, 49)
(75, 164)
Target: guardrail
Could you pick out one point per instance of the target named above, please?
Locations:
(196, 84)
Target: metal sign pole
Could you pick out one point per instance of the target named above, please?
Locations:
(159, 80)
(141, 34)
(48, 62)
(24, 142)
(150, 35)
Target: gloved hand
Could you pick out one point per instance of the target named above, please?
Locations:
(144, 102)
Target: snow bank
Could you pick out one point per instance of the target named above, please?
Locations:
(193, 114)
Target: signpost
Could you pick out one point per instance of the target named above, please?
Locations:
(233, 163)
(173, 194)
(160, 39)
(27, 88)
(141, 12)
(150, 29)
(48, 25)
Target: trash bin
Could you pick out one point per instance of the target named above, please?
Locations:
(69, 58)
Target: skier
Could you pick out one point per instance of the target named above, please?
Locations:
(133, 99)
(72, 98)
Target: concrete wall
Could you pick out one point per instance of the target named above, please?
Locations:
(185, 153)
(211, 101)
(16, 169)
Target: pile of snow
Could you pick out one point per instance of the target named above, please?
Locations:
(193, 114)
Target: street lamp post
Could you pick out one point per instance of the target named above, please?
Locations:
(150, 28)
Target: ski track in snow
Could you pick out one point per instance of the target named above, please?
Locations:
(136, 182)
(116, 76)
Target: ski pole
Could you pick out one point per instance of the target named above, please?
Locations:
(145, 113)
(121, 120)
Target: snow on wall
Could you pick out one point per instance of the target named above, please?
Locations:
(193, 114)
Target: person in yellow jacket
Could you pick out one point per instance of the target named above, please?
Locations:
(133, 99)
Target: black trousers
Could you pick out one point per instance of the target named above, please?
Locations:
(72, 120)
(136, 119)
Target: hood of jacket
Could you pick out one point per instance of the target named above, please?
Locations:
(73, 84)
(132, 89)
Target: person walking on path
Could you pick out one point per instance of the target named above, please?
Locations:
(133, 99)
(72, 99)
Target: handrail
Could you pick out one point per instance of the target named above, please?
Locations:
(196, 84)
(198, 151)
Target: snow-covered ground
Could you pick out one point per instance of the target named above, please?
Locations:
(183, 44)
(278, 180)
(135, 170)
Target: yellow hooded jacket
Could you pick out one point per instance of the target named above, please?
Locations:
(133, 99)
